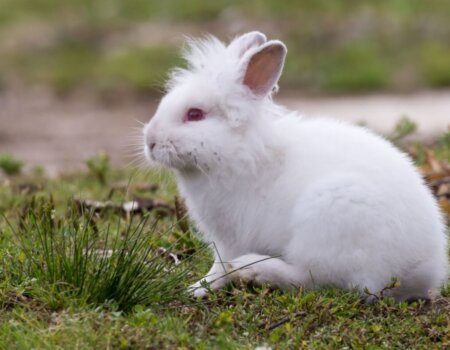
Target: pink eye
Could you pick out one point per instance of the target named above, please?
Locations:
(194, 115)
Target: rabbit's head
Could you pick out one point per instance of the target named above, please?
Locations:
(214, 110)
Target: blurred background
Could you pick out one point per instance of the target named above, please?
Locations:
(77, 75)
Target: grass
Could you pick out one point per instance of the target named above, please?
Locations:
(146, 69)
(443, 147)
(9, 165)
(75, 259)
(99, 167)
(435, 64)
(403, 128)
(334, 47)
(73, 277)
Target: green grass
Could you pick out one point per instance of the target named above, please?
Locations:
(443, 147)
(68, 64)
(354, 68)
(403, 128)
(72, 279)
(72, 64)
(99, 167)
(73, 258)
(9, 165)
(334, 46)
(146, 69)
(436, 64)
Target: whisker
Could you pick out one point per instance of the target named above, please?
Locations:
(139, 122)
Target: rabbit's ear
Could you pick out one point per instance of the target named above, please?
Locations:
(243, 43)
(264, 67)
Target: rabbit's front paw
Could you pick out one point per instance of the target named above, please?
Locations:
(197, 291)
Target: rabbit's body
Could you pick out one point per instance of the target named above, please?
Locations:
(296, 202)
(336, 220)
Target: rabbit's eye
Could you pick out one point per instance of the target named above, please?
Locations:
(194, 115)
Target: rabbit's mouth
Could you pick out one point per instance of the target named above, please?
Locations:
(165, 154)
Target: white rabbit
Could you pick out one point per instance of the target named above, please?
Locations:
(289, 201)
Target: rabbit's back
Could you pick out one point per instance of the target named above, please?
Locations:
(363, 212)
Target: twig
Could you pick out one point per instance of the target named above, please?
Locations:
(282, 321)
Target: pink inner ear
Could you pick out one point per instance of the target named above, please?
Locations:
(264, 68)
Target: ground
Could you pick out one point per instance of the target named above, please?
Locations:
(111, 273)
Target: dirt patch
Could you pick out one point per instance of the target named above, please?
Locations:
(430, 110)
(60, 134)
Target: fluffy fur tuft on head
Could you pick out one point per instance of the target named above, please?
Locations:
(211, 58)
(202, 56)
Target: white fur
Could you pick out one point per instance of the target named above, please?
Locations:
(291, 201)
